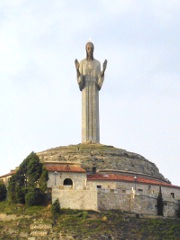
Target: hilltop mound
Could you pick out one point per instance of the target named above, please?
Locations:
(104, 158)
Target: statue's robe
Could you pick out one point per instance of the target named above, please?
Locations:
(90, 82)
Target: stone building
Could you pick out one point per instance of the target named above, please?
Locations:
(98, 177)
(5, 178)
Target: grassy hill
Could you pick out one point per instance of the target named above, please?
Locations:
(21, 222)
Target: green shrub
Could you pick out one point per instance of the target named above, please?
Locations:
(55, 210)
(3, 191)
(34, 197)
(20, 194)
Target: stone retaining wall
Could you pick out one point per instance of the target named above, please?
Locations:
(141, 204)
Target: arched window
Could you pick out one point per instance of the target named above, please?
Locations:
(68, 182)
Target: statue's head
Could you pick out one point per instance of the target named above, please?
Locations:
(89, 50)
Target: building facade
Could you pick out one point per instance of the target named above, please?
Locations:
(77, 189)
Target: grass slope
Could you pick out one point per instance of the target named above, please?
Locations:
(86, 224)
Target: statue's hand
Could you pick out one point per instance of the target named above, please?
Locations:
(77, 64)
(104, 65)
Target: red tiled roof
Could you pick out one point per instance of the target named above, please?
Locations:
(65, 168)
(8, 174)
(117, 177)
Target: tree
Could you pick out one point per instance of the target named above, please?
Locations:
(11, 189)
(43, 180)
(34, 169)
(30, 170)
(3, 191)
(34, 197)
(29, 183)
(20, 187)
(160, 203)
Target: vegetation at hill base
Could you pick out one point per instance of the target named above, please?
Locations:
(84, 224)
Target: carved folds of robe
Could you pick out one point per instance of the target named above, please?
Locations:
(90, 82)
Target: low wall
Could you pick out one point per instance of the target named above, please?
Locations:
(141, 204)
(76, 199)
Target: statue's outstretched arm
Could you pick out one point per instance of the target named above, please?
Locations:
(101, 75)
(104, 68)
(80, 78)
(77, 67)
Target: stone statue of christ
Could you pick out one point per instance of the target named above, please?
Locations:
(90, 79)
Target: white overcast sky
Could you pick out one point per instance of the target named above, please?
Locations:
(40, 102)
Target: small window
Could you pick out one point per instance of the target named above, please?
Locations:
(98, 186)
(140, 190)
(172, 195)
(68, 182)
